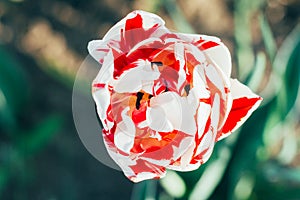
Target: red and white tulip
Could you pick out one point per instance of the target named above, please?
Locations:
(164, 98)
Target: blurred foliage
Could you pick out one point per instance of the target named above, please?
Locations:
(259, 161)
(12, 92)
(20, 143)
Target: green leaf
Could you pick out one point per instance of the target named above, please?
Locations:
(258, 73)
(268, 37)
(243, 12)
(287, 70)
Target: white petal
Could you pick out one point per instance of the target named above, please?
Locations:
(123, 141)
(179, 55)
(220, 55)
(161, 162)
(239, 90)
(202, 117)
(125, 132)
(147, 175)
(194, 37)
(206, 142)
(102, 100)
(105, 74)
(199, 86)
(177, 110)
(157, 120)
(199, 55)
(188, 124)
(98, 49)
(214, 77)
(189, 167)
(215, 113)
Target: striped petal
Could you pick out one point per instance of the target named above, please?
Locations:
(134, 28)
(243, 105)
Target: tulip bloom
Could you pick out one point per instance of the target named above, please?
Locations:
(164, 98)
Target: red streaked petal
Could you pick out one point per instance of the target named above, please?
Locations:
(213, 48)
(146, 170)
(244, 103)
(99, 85)
(240, 108)
(207, 45)
(135, 22)
(149, 20)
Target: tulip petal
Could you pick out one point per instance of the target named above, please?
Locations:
(139, 20)
(98, 49)
(145, 170)
(220, 56)
(213, 48)
(207, 143)
(176, 110)
(158, 121)
(135, 19)
(244, 103)
(191, 38)
(125, 132)
(135, 169)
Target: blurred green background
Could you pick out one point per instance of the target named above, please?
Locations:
(42, 44)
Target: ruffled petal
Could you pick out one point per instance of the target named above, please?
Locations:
(141, 76)
(134, 20)
(244, 103)
(135, 169)
(98, 49)
(135, 27)
(212, 46)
